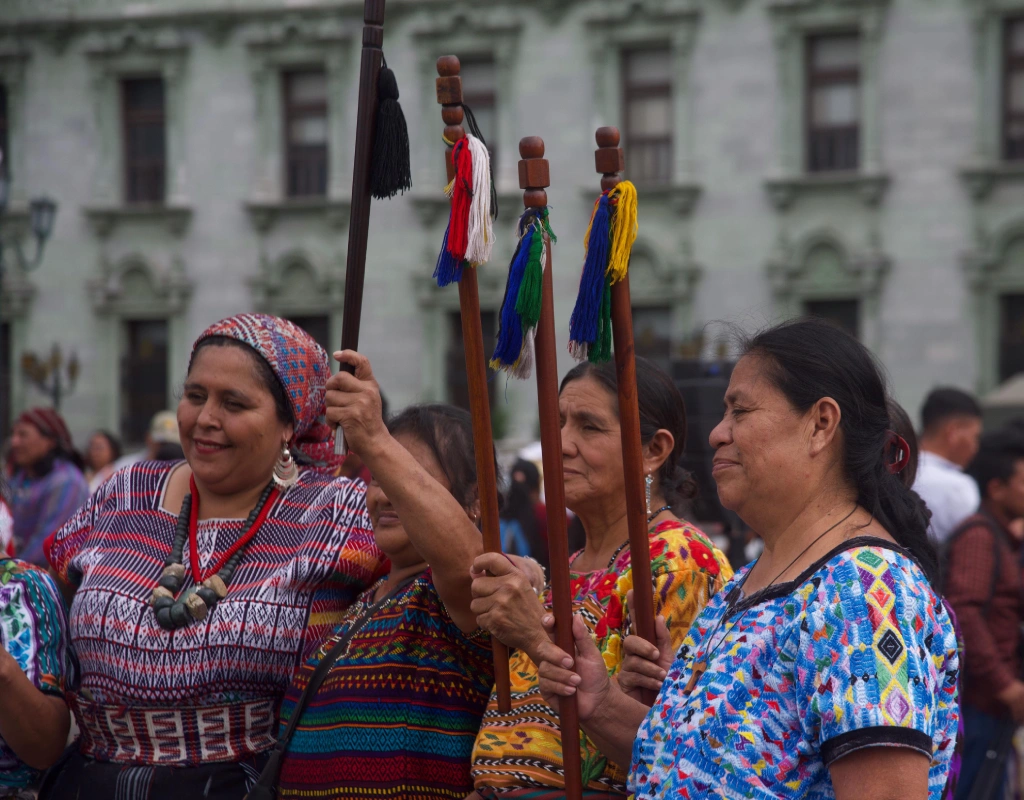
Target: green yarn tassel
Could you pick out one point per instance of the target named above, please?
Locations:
(532, 287)
(601, 350)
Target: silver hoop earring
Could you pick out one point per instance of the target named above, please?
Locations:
(648, 482)
(286, 473)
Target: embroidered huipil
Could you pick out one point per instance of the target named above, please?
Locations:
(210, 691)
(520, 752)
(856, 652)
(33, 629)
(396, 717)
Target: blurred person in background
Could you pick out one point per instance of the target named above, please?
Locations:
(162, 443)
(518, 518)
(950, 429)
(104, 450)
(983, 583)
(47, 486)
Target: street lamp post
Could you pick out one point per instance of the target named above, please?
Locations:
(42, 211)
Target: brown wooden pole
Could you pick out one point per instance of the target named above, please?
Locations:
(449, 95)
(359, 214)
(534, 179)
(609, 161)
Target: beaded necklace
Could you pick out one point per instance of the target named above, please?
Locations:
(198, 600)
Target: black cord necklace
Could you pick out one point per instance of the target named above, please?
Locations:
(700, 664)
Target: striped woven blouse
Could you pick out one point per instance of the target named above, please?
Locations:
(397, 715)
(208, 692)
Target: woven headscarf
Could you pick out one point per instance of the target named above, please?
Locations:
(303, 369)
(50, 424)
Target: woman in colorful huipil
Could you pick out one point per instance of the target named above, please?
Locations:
(397, 713)
(518, 754)
(47, 486)
(202, 585)
(828, 669)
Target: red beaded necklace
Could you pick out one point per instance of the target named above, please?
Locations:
(243, 540)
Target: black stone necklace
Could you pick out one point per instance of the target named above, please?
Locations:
(174, 612)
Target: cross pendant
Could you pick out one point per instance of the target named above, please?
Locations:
(699, 668)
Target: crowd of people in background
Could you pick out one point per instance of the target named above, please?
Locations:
(236, 611)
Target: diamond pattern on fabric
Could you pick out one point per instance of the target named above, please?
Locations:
(890, 646)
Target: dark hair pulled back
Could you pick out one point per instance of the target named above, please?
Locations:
(447, 432)
(264, 374)
(807, 359)
(661, 406)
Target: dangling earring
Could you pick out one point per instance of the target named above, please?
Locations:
(286, 473)
(648, 482)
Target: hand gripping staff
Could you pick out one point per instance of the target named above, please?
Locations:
(520, 311)
(381, 167)
(603, 314)
(468, 169)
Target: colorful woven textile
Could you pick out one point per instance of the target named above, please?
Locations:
(302, 367)
(522, 750)
(41, 505)
(34, 630)
(207, 692)
(397, 715)
(856, 652)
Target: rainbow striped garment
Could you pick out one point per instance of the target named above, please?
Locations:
(398, 713)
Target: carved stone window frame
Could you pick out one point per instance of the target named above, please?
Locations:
(665, 277)
(127, 52)
(617, 27)
(793, 22)
(270, 294)
(116, 298)
(295, 43)
(987, 169)
(862, 275)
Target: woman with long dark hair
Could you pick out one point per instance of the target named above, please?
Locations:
(828, 668)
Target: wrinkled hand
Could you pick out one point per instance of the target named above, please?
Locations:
(353, 401)
(560, 676)
(645, 665)
(506, 604)
(532, 569)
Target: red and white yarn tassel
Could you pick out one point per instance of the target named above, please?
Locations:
(461, 192)
(481, 233)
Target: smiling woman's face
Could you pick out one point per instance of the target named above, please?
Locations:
(228, 422)
(591, 447)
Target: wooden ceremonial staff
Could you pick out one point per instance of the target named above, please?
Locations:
(449, 95)
(609, 160)
(359, 216)
(534, 179)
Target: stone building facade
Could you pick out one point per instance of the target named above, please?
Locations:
(853, 158)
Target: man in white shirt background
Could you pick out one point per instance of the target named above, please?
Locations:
(950, 430)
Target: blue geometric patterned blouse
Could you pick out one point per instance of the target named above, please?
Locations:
(856, 652)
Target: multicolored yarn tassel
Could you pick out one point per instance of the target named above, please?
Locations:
(609, 242)
(520, 308)
(469, 237)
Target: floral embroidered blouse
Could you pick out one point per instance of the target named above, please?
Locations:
(521, 750)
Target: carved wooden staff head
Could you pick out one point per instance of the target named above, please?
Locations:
(534, 172)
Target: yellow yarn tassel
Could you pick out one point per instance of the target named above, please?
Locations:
(623, 230)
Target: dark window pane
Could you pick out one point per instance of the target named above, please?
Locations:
(306, 133)
(652, 334)
(1011, 336)
(648, 114)
(455, 358)
(145, 141)
(833, 103)
(143, 377)
(480, 93)
(844, 313)
(319, 327)
(4, 139)
(1013, 90)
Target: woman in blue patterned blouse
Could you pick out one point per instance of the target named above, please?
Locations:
(828, 668)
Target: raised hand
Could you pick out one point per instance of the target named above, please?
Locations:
(506, 604)
(561, 675)
(353, 401)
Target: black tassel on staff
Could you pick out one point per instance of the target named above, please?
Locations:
(381, 168)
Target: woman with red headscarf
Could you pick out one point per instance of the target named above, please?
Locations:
(200, 585)
(47, 486)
